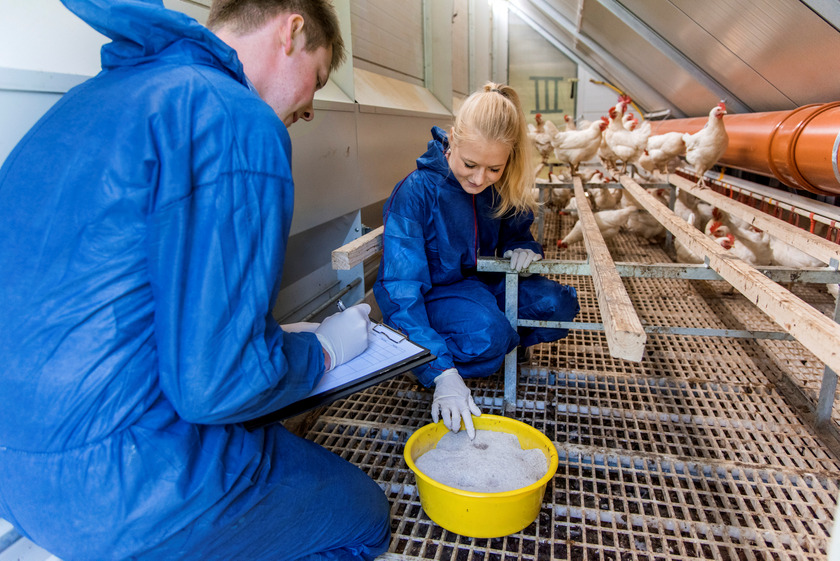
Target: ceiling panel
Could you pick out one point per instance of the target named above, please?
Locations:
(710, 54)
(763, 55)
(645, 61)
(793, 48)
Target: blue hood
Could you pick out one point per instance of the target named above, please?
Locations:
(434, 158)
(141, 29)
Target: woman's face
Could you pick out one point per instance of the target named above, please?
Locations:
(477, 164)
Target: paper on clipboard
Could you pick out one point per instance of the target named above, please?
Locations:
(386, 347)
(389, 353)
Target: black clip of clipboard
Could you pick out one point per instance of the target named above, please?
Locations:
(422, 356)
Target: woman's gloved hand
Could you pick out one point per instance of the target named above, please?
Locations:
(345, 335)
(453, 402)
(520, 258)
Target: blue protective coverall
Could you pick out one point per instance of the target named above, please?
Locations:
(144, 222)
(428, 285)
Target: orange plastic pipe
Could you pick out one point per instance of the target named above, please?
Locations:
(800, 148)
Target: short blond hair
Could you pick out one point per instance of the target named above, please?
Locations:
(495, 114)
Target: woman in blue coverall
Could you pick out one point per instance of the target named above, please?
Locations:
(144, 223)
(470, 196)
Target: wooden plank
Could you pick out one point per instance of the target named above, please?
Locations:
(625, 335)
(803, 240)
(817, 332)
(353, 253)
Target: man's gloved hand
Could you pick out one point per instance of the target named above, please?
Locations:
(300, 327)
(453, 402)
(345, 335)
(520, 258)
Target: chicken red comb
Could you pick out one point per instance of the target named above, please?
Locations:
(625, 98)
(605, 119)
(722, 105)
(538, 116)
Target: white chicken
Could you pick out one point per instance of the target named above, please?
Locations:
(555, 197)
(631, 123)
(788, 256)
(742, 251)
(591, 175)
(685, 255)
(570, 123)
(705, 147)
(737, 226)
(645, 226)
(716, 229)
(702, 210)
(608, 158)
(642, 223)
(625, 144)
(758, 243)
(605, 198)
(662, 152)
(609, 223)
(574, 147)
(541, 135)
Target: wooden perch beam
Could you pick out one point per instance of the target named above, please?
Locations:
(802, 240)
(351, 254)
(625, 334)
(818, 333)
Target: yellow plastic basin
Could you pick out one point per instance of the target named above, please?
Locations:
(481, 515)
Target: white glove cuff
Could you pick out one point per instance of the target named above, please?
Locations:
(330, 350)
(446, 374)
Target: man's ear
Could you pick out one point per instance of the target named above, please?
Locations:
(291, 30)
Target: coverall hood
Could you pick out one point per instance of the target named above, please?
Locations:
(433, 159)
(140, 30)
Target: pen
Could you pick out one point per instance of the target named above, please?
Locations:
(340, 304)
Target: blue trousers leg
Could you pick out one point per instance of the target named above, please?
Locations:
(541, 299)
(476, 330)
(312, 504)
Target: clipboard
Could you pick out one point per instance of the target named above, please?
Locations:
(389, 354)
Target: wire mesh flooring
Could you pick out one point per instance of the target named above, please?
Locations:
(696, 452)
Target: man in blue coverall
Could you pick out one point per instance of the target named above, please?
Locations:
(144, 223)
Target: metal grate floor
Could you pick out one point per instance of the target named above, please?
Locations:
(693, 453)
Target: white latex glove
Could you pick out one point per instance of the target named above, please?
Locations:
(300, 327)
(453, 402)
(520, 258)
(345, 335)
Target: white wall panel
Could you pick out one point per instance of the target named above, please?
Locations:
(389, 147)
(481, 43)
(460, 47)
(389, 33)
(43, 35)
